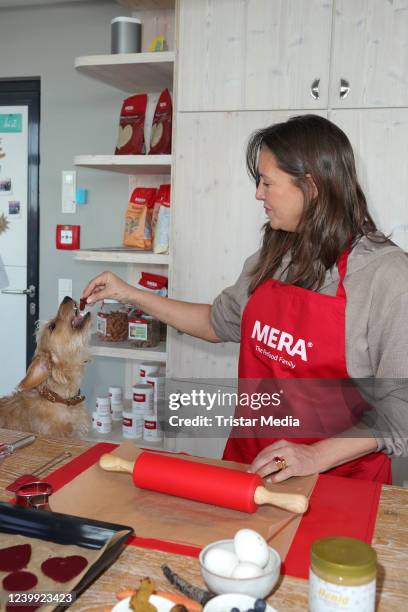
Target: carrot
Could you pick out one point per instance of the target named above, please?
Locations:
(190, 604)
(125, 593)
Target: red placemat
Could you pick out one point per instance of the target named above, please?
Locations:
(338, 506)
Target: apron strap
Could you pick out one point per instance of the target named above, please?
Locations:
(342, 268)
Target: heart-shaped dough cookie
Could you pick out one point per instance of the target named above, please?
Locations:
(19, 581)
(63, 569)
(15, 557)
(124, 135)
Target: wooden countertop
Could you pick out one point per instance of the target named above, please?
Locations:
(390, 541)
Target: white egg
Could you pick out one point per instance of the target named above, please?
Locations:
(220, 561)
(251, 547)
(247, 570)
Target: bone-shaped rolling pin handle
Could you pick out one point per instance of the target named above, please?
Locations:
(294, 502)
(111, 463)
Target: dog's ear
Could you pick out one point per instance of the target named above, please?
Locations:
(37, 373)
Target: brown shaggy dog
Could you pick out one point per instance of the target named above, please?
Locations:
(48, 400)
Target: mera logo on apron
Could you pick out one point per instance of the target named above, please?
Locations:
(280, 340)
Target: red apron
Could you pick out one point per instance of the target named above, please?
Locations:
(288, 333)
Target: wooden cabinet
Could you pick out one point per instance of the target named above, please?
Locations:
(380, 141)
(216, 226)
(370, 54)
(253, 54)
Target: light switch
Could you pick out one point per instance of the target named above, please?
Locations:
(68, 191)
(64, 288)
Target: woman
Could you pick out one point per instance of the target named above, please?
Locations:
(323, 273)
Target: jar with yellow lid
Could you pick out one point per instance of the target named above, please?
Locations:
(342, 575)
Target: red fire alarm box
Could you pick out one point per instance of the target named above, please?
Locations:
(67, 237)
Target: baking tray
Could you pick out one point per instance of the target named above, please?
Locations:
(66, 529)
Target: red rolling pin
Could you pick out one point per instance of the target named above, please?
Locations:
(210, 484)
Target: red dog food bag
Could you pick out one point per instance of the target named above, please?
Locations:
(131, 126)
(160, 140)
(138, 219)
(154, 283)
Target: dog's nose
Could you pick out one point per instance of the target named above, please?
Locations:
(66, 299)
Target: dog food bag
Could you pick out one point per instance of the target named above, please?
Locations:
(138, 219)
(161, 220)
(155, 283)
(131, 126)
(160, 139)
(112, 321)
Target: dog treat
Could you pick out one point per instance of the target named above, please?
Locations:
(15, 557)
(63, 569)
(19, 581)
(82, 304)
(144, 331)
(131, 126)
(112, 322)
(140, 600)
(185, 587)
(160, 140)
(177, 598)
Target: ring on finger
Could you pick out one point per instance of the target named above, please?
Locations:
(280, 463)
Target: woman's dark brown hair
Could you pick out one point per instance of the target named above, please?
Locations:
(338, 215)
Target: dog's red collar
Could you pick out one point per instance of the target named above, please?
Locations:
(53, 397)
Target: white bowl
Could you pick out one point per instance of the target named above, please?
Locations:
(260, 586)
(224, 603)
(161, 603)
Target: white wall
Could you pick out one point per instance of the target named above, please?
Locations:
(78, 116)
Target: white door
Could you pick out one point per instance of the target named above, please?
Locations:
(13, 243)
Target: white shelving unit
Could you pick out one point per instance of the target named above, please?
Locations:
(115, 437)
(122, 255)
(134, 72)
(124, 350)
(131, 72)
(126, 164)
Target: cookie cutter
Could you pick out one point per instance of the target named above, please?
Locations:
(34, 495)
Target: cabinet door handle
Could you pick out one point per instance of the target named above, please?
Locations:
(344, 89)
(314, 89)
